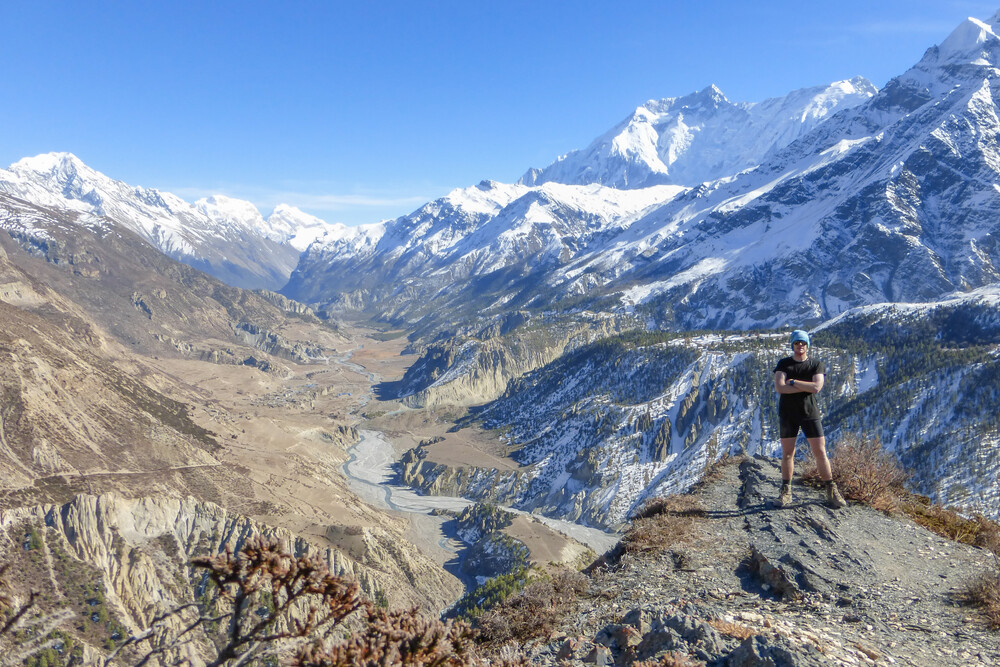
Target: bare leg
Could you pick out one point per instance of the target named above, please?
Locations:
(788, 458)
(818, 446)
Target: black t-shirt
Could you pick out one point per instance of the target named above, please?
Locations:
(801, 405)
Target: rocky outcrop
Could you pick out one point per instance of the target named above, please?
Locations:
(466, 371)
(843, 587)
(287, 305)
(486, 484)
(276, 344)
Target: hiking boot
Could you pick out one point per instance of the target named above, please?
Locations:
(785, 497)
(833, 497)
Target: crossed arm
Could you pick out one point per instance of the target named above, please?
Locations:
(800, 386)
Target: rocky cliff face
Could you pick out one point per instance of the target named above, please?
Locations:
(475, 368)
(139, 549)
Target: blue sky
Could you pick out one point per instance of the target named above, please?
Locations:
(361, 111)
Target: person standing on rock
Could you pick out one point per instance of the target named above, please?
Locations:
(797, 380)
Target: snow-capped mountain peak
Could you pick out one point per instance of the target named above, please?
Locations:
(297, 228)
(229, 211)
(968, 37)
(54, 165)
(699, 137)
(710, 97)
(65, 177)
(970, 52)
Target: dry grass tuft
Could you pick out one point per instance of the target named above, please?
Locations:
(983, 591)
(864, 471)
(976, 530)
(677, 505)
(663, 523)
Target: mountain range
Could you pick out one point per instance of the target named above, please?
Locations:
(885, 196)
(227, 238)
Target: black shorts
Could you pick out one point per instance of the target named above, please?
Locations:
(789, 427)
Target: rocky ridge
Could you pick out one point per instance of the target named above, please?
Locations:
(799, 586)
(135, 293)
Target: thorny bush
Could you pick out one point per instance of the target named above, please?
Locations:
(532, 612)
(268, 601)
(288, 607)
(400, 637)
(864, 471)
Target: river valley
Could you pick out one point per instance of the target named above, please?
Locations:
(369, 472)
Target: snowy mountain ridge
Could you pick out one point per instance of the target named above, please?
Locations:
(700, 137)
(987, 297)
(224, 236)
(472, 232)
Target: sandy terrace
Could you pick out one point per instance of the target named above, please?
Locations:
(384, 358)
(546, 545)
(470, 446)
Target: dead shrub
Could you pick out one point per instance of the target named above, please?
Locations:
(266, 599)
(672, 659)
(984, 592)
(291, 609)
(729, 629)
(400, 637)
(864, 471)
(534, 611)
(663, 523)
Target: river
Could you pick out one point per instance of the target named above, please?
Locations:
(369, 471)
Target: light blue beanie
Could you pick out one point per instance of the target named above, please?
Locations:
(798, 335)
